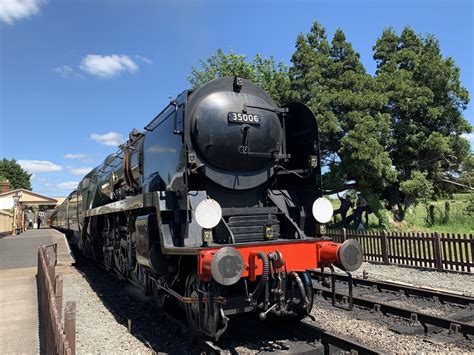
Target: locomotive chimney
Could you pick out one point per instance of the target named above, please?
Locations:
(238, 83)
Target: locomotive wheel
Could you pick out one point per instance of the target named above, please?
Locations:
(159, 296)
(108, 248)
(203, 318)
(108, 258)
(121, 264)
(299, 309)
(192, 309)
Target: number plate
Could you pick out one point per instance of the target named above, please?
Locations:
(249, 118)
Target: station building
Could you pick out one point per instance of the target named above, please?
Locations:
(22, 209)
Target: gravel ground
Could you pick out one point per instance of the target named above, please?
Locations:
(97, 330)
(446, 281)
(375, 333)
(105, 304)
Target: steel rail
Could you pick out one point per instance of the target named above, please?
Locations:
(210, 347)
(327, 338)
(407, 290)
(415, 316)
(339, 341)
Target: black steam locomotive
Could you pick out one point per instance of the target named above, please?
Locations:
(216, 205)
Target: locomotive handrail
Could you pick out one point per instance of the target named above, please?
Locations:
(269, 155)
(272, 109)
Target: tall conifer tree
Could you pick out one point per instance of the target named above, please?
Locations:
(330, 79)
(425, 101)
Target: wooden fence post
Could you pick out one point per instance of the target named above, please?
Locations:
(384, 246)
(437, 251)
(58, 290)
(70, 325)
(56, 338)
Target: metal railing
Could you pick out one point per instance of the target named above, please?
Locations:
(56, 337)
(439, 251)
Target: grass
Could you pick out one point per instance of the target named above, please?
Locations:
(458, 222)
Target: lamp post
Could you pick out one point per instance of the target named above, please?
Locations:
(16, 198)
(20, 217)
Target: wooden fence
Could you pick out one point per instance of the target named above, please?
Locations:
(56, 338)
(439, 251)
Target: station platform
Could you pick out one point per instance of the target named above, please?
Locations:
(19, 324)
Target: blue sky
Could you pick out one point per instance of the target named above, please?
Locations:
(77, 76)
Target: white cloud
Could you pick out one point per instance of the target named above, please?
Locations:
(39, 166)
(74, 156)
(80, 171)
(144, 59)
(41, 180)
(69, 185)
(83, 158)
(13, 10)
(111, 138)
(66, 72)
(107, 66)
(468, 136)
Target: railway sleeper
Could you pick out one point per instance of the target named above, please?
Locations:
(428, 321)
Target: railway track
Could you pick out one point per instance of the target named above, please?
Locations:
(278, 335)
(301, 337)
(458, 325)
(402, 289)
(252, 335)
(333, 342)
(306, 338)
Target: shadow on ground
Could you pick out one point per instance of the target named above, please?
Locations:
(126, 302)
(245, 333)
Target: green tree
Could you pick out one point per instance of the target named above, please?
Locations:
(425, 103)
(417, 188)
(265, 72)
(347, 102)
(19, 178)
(467, 173)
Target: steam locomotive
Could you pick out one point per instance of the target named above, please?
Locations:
(216, 205)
